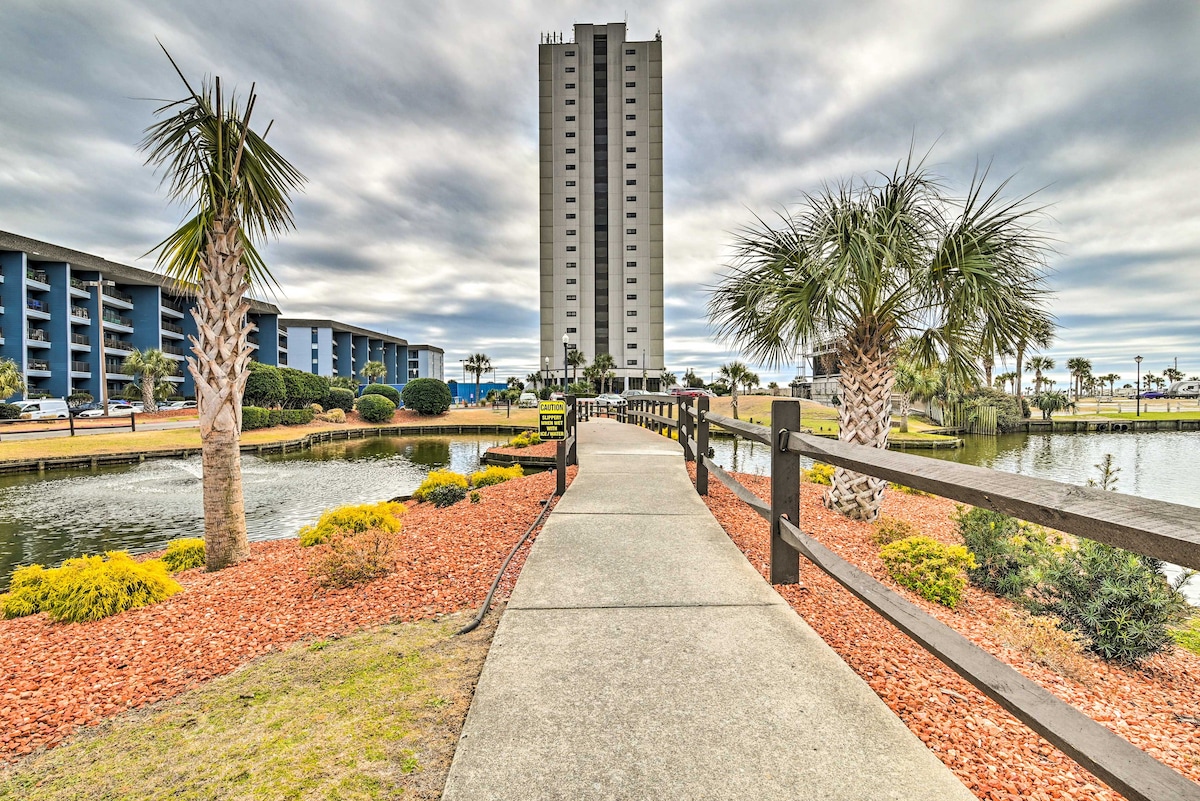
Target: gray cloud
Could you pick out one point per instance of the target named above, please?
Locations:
(415, 123)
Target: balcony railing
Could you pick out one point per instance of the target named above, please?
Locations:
(117, 319)
(116, 344)
(37, 275)
(36, 334)
(38, 364)
(112, 366)
(37, 305)
(178, 329)
(80, 285)
(174, 303)
(81, 367)
(79, 311)
(174, 350)
(81, 339)
(113, 292)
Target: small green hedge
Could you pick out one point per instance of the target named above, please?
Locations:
(9, 411)
(375, 408)
(339, 398)
(426, 396)
(254, 417)
(389, 392)
(264, 386)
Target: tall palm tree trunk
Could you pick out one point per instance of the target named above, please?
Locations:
(733, 401)
(149, 380)
(864, 417)
(222, 353)
(1020, 366)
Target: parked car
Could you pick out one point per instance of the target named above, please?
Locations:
(528, 400)
(43, 409)
(692, 392)
(115, 409)
(1152, 394)
(633, 393)
(84, 407)
(183, 404)
(557, 396)
(609, 399)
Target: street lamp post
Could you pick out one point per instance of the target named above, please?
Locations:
(99, 287)
(565, 341)
(546, 370)
(1137, 387)
(643, 369)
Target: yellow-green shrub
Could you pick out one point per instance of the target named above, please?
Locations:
(440, 478)
(384, 517)
(27, 593)
(92, 587)
(906, 490)
(932, 570)
(891, 529)
(525, 439)
(820, 473)
(333, 416)
(355, 557)
(496, 475)
(184, 554)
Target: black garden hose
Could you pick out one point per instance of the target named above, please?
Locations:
(487, 602)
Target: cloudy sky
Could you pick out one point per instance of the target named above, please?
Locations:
(415, 123)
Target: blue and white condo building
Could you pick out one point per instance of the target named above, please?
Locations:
(327, 347)
(67, 317)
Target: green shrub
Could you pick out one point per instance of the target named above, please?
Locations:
(264, 386)
(316, 408)
(426, 396)
(301, 388)
(439, 478)
(932, 570)
(890, 529)
(383, 517)
(254, 417)
(77, 399)
(907, 490)
(476, 497)
(339, 398)
(1009, 413)
(89, 587)
(375, 408)
(184, 554)
(351, 558)
(525, 439)
(9, 411)
(496, 475)
(446, 495)
(333, 416)
(28, 589)
(1117, 599)
(295, 417)
(386, 390)
(1008, 553)
(820, 473)
(274, 417)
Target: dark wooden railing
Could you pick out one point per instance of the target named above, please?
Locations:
(568, 449)
(1164, 530)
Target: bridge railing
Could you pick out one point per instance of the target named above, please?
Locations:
(1155, 528)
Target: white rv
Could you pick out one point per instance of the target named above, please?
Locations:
(1184, 389)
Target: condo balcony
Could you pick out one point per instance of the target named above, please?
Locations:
(81, 367)
(116, 319)
(37, 275)
(112, 293)
(81, 339)
(81, 313)
(39, 366)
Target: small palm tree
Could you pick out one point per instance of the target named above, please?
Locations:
(668, 379)
(477, 364)
(864, 265)
(1039, 336)
(239, 189)
(533, 379)
(11, 382)
(576, 359)
(605, 365)
(914, 383)
(373, 370)
(1079, 369)
(1039, 365)
(1110, 379)
(151, 366)
(735, 374)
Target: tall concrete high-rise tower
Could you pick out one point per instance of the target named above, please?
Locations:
(600, 116)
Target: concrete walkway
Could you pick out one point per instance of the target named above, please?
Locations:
(642, 657)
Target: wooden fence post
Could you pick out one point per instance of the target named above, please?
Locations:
(686, 423)
(785, 491)
(701, 445)
(669, 409)
(560, 468)
(572, 430)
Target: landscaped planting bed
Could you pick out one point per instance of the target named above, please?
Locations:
(55, 678)
(1155, 706)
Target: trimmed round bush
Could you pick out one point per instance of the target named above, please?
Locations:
(426, 396)
(333, 416)
(302, 389)
(9, 411)
(389, 392)
(184, 554)
(931, 569)
(383, 517)
(375, 408)
(264, 386)
(496, 475)
(446, 495)
(339, 398)
(439, 478)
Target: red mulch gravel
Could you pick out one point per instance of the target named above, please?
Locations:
(55, 678)
(992, 753)
(543, 449)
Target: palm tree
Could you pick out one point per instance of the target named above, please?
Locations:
(734, 374)
(605, 369)
(668, 379)
(1039, 335)
(11, 382)
(239, 189)
(865, 264)
(477, 364)
(1110, 379)
(533, 379)
(576, 359)
(343, 382)
(691, 380)
(1039, 365)
(1006, 378)
(914, 383)
(1173, 375)
(151, 365)
(373, 370)
(1079, 368)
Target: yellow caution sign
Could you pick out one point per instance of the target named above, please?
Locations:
(552, 419)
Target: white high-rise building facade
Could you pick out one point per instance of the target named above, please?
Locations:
(600, 110)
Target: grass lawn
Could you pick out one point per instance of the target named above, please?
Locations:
(820, 418)
(373, 715)
(1188, 415)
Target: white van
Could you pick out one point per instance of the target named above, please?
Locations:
(528, 401)
(43, 409)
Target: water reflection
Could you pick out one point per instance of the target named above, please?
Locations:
(46, 519)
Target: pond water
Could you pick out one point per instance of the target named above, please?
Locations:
(1162, 465)
(46, 519)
